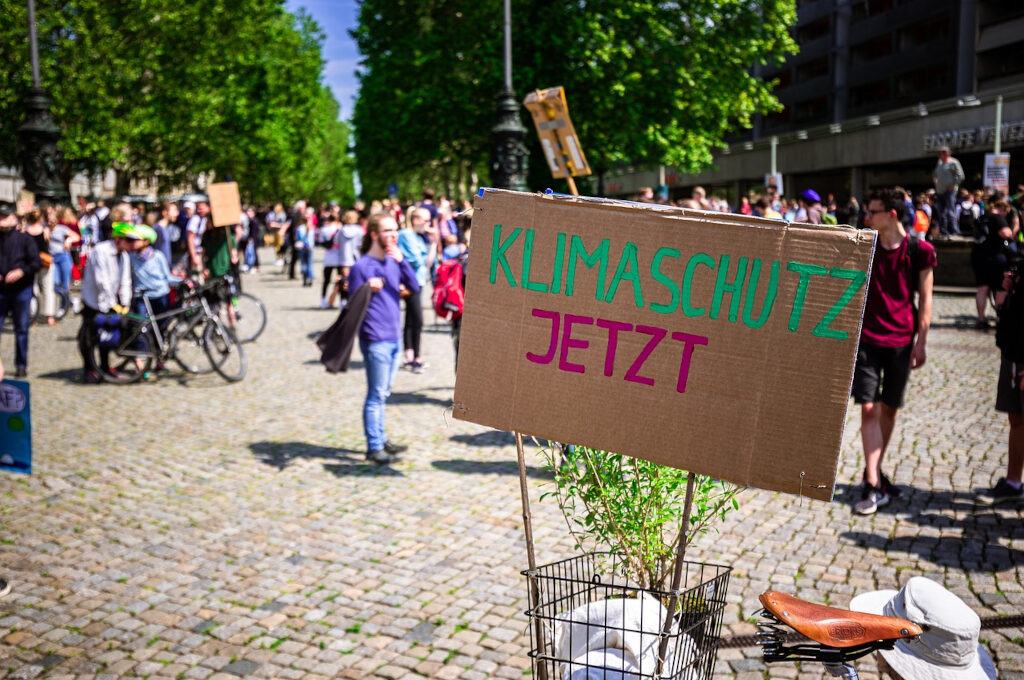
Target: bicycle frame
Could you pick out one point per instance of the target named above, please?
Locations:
(190, 305)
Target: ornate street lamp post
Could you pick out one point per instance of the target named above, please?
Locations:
(509, 156)
(41, 158)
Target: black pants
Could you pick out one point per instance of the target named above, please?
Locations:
(327, 279)
(86, 339)
(413, 323)
(293, 260)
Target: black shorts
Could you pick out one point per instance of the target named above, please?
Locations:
(881, 374)
(1009, 399)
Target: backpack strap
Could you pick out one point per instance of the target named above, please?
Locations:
(913, 262)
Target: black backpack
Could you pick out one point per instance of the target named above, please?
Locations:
(967, 221)
(1010, 327)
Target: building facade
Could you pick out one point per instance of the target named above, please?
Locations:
(876, 88)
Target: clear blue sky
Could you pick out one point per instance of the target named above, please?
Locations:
(336, 17)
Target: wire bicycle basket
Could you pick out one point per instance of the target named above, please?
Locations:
(589, 621)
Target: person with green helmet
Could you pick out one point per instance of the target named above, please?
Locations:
(152, 272)
(106, 287)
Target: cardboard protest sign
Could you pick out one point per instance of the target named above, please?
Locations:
(723, 345)
(225, 203)
(558, 138)
(15, 427)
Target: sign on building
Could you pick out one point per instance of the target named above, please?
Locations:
(997, 172)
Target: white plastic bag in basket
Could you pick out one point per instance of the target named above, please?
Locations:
(631, 625)
(603, 664)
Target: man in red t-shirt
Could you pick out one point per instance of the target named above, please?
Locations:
(888, 348)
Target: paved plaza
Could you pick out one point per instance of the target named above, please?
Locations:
(190, 528)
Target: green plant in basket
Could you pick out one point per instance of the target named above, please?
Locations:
(632, 507)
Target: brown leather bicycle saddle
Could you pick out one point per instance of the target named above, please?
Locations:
(835, 627)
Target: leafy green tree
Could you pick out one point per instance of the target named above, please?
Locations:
(647, 81)
(171, 90)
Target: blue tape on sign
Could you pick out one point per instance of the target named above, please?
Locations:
(480, 192)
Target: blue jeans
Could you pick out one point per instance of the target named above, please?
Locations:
(62, 272)
(21, 303)
(306, 259)
(944, 212)
(381, 359)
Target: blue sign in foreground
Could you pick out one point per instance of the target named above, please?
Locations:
(15, 427)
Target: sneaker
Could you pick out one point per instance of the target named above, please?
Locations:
(418, 366)
(278, 262)
(323, 303)
(871, 499)
(395, 449)
(887, 485)
(20, 372)
(91, 378)
(5, 587)
(380, 457)
(1002, 492)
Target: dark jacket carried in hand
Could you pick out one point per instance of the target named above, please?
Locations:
(18, 250)
(336, 342)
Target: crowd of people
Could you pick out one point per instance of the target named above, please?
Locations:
(376, 256)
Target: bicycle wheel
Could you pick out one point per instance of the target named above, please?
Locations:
(224, 351)
(186, 341)
(250, 317)
(128, 361)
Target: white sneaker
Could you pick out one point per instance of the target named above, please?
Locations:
(278, 262)
(323, 303)
(872, 498)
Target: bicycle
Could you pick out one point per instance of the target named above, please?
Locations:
(193, 328)
(250, 315)
(830, 636)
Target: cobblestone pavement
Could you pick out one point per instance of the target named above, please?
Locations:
(194, 529)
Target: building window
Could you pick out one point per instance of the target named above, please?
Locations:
(812, 69)
(1003, 62)
(917, 84)
(865, 9)
(921, 33)
(811, 110)
(814, 30)
(870, 50)
(998, 11)
(870, 95)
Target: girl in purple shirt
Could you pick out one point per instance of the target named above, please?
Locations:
(385, 270)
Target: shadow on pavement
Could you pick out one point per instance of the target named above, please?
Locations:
(488, 438)
(488, 467)
(354, 365)
(952, 530)
(417, 398)
(337, 461)
(961, 322)
(71, 375)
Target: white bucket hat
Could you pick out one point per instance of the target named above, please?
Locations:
(948, 649)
